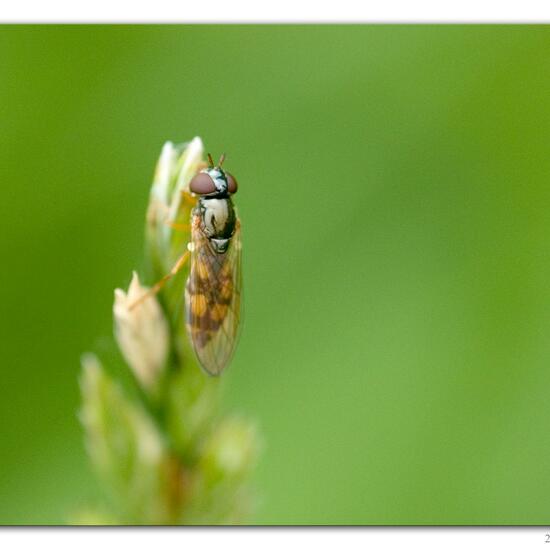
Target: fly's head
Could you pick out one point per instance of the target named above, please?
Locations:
(214, 186)
(213, 182)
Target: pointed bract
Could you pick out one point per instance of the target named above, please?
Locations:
(141, 332)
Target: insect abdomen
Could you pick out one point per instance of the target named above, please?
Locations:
(209, 293)
(212, 299)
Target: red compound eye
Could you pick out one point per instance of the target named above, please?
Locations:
(231, 183)
(202, 184)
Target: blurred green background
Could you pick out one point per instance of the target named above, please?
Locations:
(395, 198)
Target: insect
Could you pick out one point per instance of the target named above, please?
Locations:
(213, 288)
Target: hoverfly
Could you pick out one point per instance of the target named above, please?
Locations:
(213, 288)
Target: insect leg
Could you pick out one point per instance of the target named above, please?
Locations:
(182, 260)
(178, 226)
(188, 198)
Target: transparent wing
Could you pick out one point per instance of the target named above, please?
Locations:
(213, 300)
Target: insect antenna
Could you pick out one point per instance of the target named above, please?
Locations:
(210, 161)
(222, 158)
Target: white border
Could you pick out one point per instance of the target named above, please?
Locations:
(276, 11)
(273, 538)
(280, 11)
